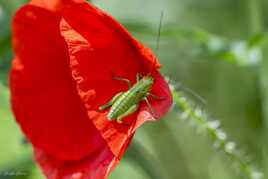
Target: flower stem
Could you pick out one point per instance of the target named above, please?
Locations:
(212, 127)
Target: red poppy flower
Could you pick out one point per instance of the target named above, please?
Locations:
(65, 55)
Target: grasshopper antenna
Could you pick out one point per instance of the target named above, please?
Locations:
(194, 94)
(159, 32)
(157, 41)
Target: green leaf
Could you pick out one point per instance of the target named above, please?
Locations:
(257, 40)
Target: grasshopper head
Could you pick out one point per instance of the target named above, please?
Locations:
(147, 82)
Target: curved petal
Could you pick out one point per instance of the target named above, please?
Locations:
(100, 47)
(44, 96)
(53, 5)
(97, 166)
(55, 96)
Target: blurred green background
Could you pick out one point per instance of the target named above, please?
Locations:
(216, 48)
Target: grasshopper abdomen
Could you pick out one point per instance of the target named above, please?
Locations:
(126, 103)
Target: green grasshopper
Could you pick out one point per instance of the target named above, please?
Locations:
(125, 103)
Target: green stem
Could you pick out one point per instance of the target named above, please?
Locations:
(138, 154)
(257, 26)
(255, 19)
(217, 135)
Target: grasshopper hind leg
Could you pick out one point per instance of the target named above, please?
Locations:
(111, 102)
(131, 110)
(151, 109)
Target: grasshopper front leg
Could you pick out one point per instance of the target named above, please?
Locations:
(138, 77)
(156, 97)
(123, 79)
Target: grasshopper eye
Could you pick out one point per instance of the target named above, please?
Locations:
(137, 92)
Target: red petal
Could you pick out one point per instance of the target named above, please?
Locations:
(97, 166)
(44, 95)
(53, 5)
(98, 47)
